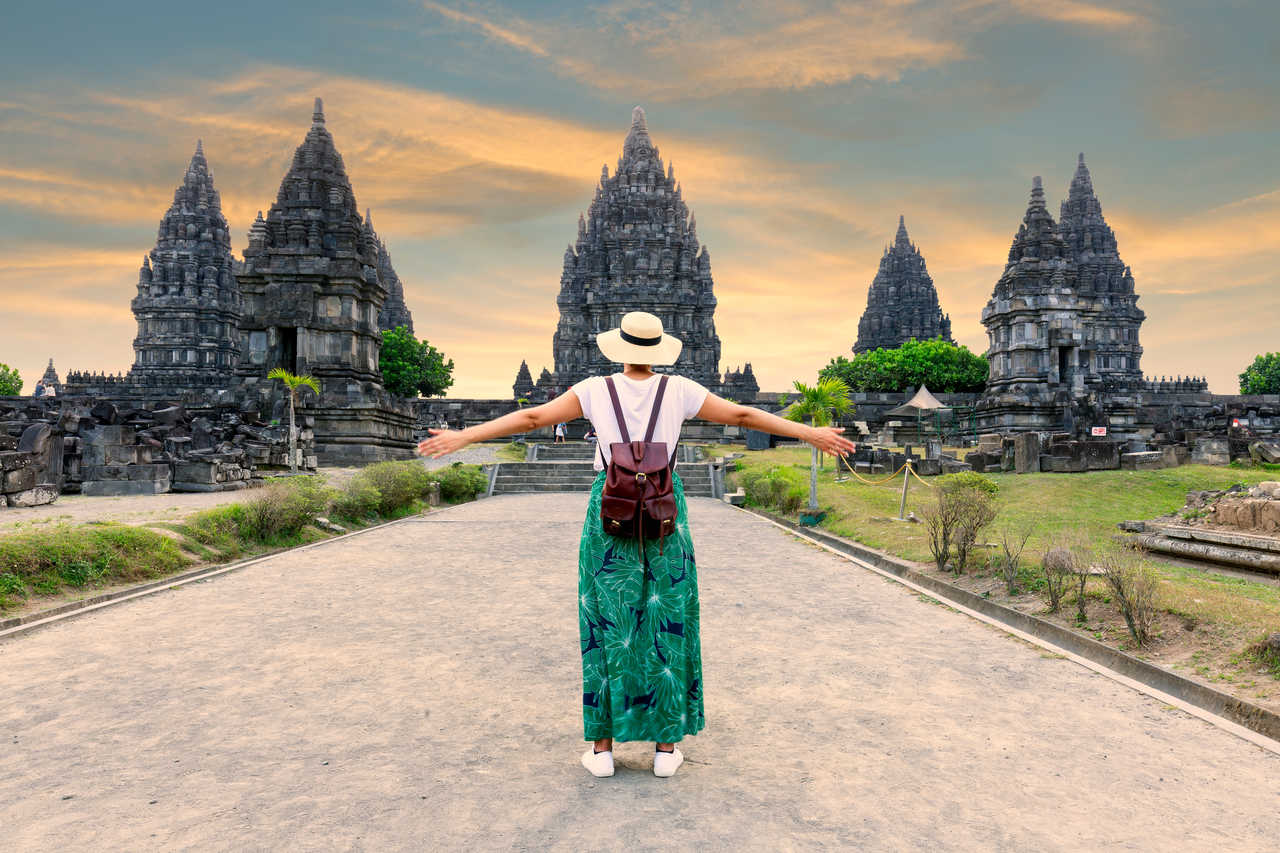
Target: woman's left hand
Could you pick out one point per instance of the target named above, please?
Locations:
(441, 442)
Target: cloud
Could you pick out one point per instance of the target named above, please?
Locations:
(678, 50)
(493, 31)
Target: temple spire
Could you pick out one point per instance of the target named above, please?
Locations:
(317, 115)
(901, 238)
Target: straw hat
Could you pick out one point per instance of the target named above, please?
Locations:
(639, 340)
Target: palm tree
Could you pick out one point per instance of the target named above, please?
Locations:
(819, 404)
(294, 384)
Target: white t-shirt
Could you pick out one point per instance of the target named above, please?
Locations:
(682, 400)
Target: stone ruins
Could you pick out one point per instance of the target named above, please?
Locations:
(312, 300)
(314, 292)
(188, 304)
(316, 287)
(901, 303)
(1063, 321)
(637, 250)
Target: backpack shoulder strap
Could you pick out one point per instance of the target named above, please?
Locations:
(657, 404)
(617, 410)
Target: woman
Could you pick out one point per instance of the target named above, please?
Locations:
(637, 601)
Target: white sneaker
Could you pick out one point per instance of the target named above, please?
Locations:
(599, 763)
(665, 763)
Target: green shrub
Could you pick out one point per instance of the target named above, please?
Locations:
(400, 485)
(358, 501)
(45, 561)
(968, 480)
(281, 509)
(461, 482)
(778, 487)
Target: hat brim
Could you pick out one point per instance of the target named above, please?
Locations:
(665, 351)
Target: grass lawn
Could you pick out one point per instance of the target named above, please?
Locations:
(1208, 619)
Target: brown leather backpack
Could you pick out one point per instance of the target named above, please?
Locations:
(638, 498)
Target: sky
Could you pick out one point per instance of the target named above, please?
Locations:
(475, 131)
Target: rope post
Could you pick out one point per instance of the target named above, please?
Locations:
(906, 479)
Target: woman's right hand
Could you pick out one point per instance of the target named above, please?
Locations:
(829, 440)
(442, 441)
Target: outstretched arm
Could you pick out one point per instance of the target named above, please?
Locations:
(566, 407)
(721, 411)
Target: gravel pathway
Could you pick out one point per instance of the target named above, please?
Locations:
(417, 688)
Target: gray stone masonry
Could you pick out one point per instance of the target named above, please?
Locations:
(188, 304)
(902, 302)
(312, 301)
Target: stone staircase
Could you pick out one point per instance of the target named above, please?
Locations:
(569, 468)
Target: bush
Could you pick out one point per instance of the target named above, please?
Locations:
(275, 515)
(280, 511)
(1059, 566)
(779, 487)
(963, 507)
(44, 561)
(1263, 376)
(358, 501)
(1136, 587)
(10, 381)
(1012, 542)
(968, 480)
(461, 482)
(942, 366)
(400, 485)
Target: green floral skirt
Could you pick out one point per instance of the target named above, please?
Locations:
(638, 622)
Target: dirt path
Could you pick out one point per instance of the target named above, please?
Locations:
(418, 688)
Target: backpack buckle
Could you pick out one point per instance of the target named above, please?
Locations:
(641, 477)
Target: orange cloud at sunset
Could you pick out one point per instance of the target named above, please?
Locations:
(799, 133)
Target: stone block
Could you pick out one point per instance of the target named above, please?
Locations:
(12, 460)
(110, 434)
(1026, 452)
(1211, 451)
(35, 439)
(148, 472)
(19, 480)
(117, 488)
(758, 440)
(1170, 456)
(954, 466)
(119, 454)
(990, 442)
(196, 472)
(38, 496)
(1147, 460)
(1266, 451)
(1102, 455)
(929, 467)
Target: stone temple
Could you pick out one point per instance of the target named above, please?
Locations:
(637, 250)
(188, 304)
(394, 311)
(1063, 322)
(312, 301)
(902, 302)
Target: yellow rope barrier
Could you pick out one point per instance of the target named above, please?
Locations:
(910, 468)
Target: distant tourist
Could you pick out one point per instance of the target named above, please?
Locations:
(40, 390)
(654, 663)
(590, 435)
(560, 436)
(50, 391)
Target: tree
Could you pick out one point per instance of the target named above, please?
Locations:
(943, 367)
(818, 404)
(10, 381)
(411, 367)
(294, 384)
(1263, 376)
